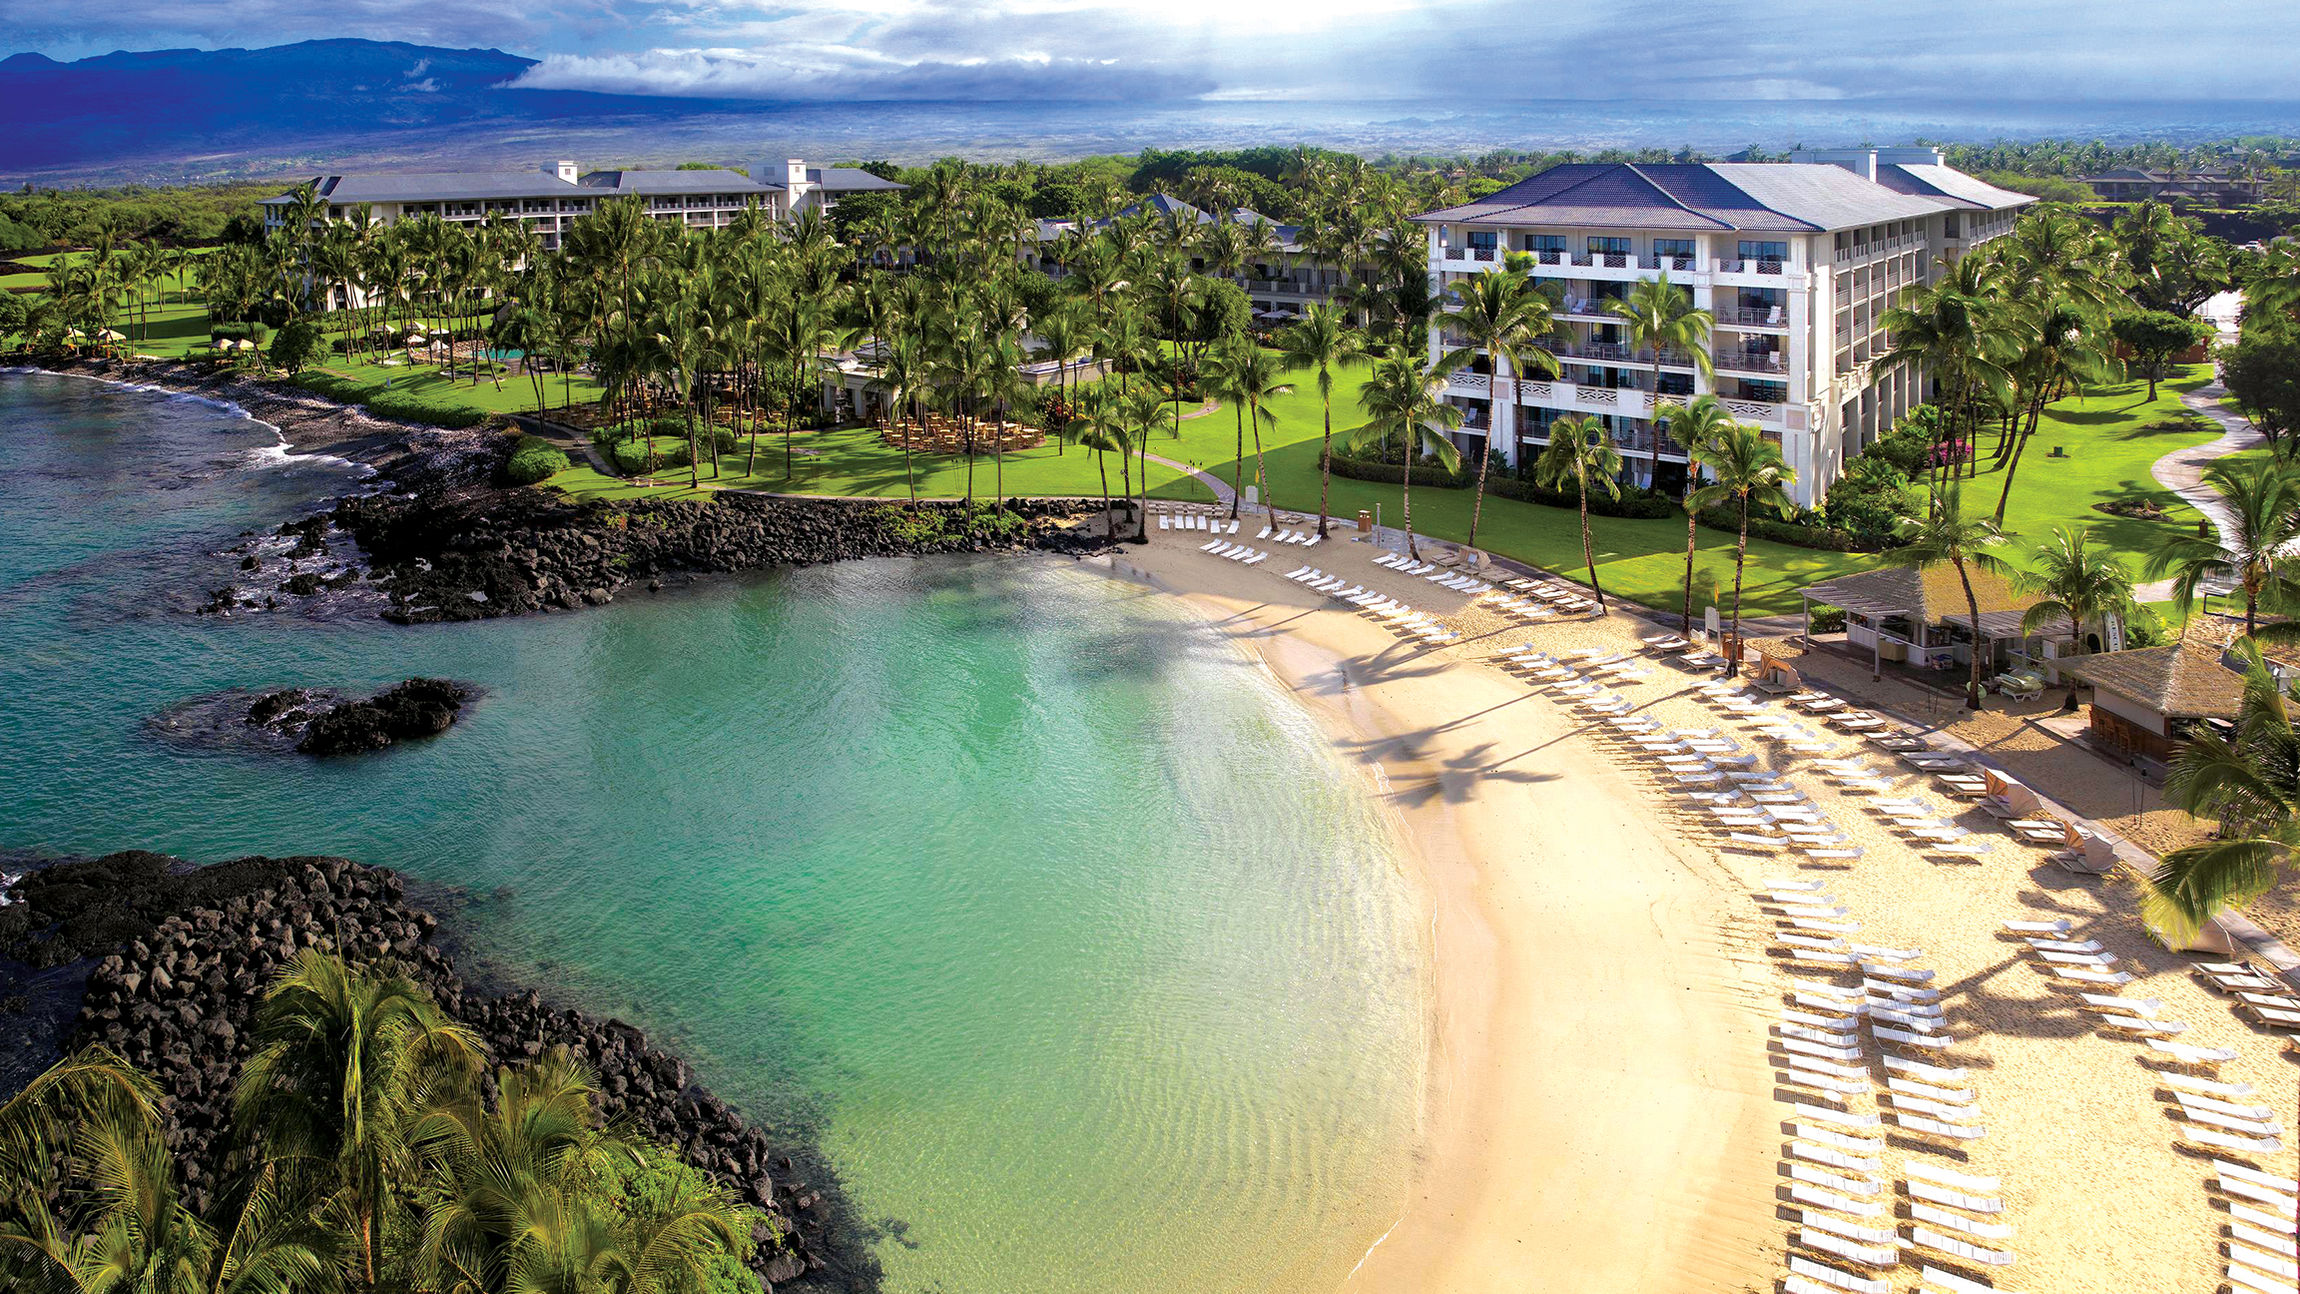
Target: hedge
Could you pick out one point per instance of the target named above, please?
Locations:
(1637, 504)
(1728, 519)
(533, 459)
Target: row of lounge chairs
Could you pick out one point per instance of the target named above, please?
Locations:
(1834, 1157)
(1434, 573)
(2261, 1256)
(1560, 598)
(1399, 617)
(1306, 538)
(1198, 521)
(1235, 552)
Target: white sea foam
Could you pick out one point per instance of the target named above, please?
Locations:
(263, 456)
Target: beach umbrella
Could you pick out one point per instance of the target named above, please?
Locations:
(112, 334)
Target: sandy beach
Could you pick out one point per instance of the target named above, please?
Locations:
(1604, 1110)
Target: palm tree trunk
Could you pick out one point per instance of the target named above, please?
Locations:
(1238, 474)
(1740, 559)
(1261, 471)
(1109, 523)
(1408, 478)
(1691, 540)
(1326, 468)
(2076, 645)
(1588, 553)
(1973, 608)
(1485, 455)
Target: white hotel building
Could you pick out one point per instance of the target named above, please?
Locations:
(1796, 261)
(550, 199)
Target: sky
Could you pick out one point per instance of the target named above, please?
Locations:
(1132, 50)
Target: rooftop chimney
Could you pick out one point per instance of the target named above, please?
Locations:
(1860, 161)
(565, 170)
(794, 173)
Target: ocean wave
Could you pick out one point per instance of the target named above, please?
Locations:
(262, 456)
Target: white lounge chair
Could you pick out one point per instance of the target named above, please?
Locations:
(1956, 1248)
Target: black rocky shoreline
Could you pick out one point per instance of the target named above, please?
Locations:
(442, 540)
(171, 963)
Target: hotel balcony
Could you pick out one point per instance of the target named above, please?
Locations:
(1575, 397)
(1602, 265)
(1772, 362)
(1768, 267)
(1767, 317)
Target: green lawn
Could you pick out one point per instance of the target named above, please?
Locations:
(2105, 434)
(2109, 449)
(2108, 452)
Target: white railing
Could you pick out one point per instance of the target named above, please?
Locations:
(1761, 410)
(1764, 266)
(1469, 384)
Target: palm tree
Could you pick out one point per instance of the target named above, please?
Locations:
(1747, 468)
(1580, 452)
(1504, 315)
(2062, 347)
(1957, 330)
(1660, 316)
(1321, 340)
(1405, 406)
(2078, 582)
(2261, 498)
(1694, 428)
(1947, 535)
(1139, 409)
(1248, 376)
(344, 1063)
(2250, 783)
(521, 1207)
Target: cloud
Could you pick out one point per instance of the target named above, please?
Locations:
(834, 73)
(1465, 51)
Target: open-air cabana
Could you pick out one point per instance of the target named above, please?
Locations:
(1919, 616)
(2145, 700)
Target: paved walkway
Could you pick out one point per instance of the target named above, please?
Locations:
(2182, 471)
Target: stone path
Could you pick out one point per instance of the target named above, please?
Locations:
(2182, 471)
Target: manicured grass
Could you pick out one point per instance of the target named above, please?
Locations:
(419, 391)
(853, 461)
(2109, 448)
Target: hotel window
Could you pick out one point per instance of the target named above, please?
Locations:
(1752, 250)
(1482, 243)
(1609, 251)
(1677, 252)
(1549, 248)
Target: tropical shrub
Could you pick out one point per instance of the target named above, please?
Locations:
(533, 459)
(295, 346)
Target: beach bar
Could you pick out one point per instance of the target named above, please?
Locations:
(2145, 701)
(1920, 618)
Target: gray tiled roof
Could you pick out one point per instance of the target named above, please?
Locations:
(460, 186)
(716, 180)
(848, 179)
(1754, 197)
(440, 186)
(1947, 182)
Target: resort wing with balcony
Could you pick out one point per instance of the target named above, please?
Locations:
(1280, 282)
(552, 198)
(1796, 261)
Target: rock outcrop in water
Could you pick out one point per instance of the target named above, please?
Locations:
(418, 708)
(474, 553)
(180, 958)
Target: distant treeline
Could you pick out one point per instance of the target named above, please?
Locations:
(1269, 180)
(33, 219)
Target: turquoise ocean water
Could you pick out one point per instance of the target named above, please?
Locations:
(1086, 959)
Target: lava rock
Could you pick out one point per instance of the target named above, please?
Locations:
(417, 708)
